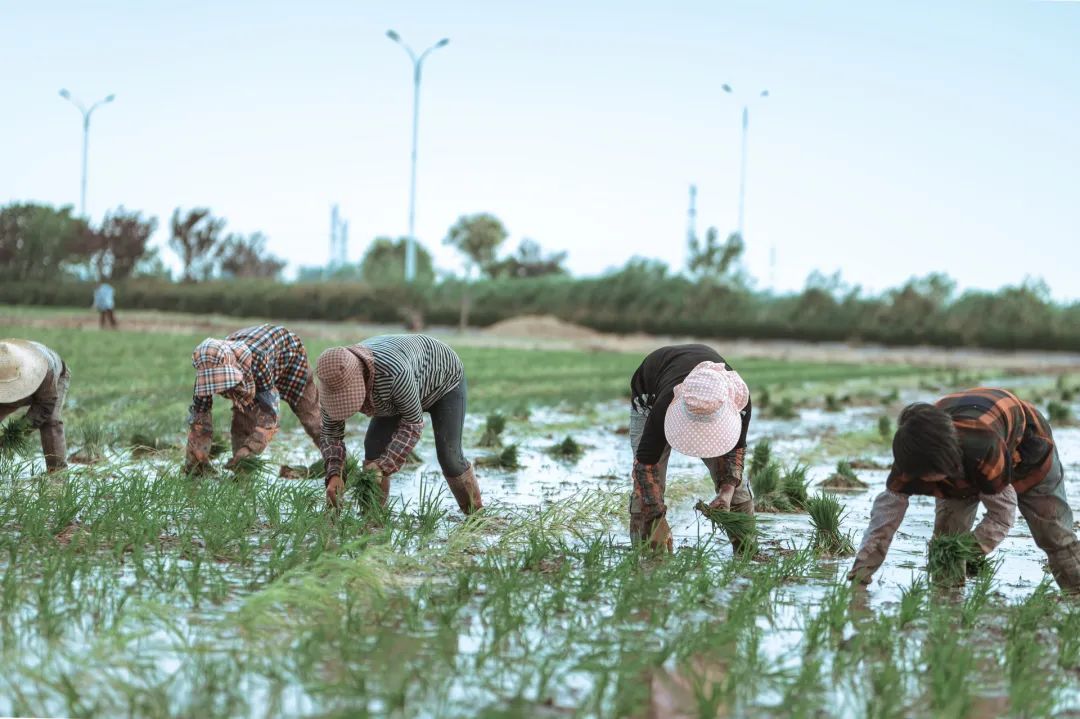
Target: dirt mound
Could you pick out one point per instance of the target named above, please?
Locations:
(545, 327)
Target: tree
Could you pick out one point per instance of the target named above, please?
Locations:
(36, 241)
(120, 244)
(384, 262)
(477, 237)
(528, 261)
(194, 238)
(716, 262)
(241, 256)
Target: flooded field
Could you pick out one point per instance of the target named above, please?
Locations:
(130, 590)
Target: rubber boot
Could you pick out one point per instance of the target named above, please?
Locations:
(1065, 566)
(54, 446)
(466, 491)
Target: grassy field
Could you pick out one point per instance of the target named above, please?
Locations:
(127, 589)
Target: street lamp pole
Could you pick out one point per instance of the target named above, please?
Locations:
(86, 113)
(418, 63)
(742, 164)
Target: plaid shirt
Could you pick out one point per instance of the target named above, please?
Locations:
(278, 361)
(1005, 441)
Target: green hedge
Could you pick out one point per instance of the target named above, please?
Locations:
(623, 302)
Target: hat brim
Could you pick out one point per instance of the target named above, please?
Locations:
(209, 382)
(32, 366)
(345, 401)
(705, 437)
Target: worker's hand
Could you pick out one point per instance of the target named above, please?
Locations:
(334, 489)
(371, 466)
(723, 499)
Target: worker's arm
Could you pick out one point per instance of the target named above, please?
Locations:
(999, 519)
(885, 518)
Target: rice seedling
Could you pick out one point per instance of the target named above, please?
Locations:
(951, 557)
(783, 409)
(834, 403)
(1067, 628)
(762, 398)
(251, 465)
(493, 429)
(912, 601)
(891, 396)
(884, 427)
(567, 449)
(760, 457)
(844, 478)
(364, 488)
(16, 438)
(826, 513)
(507, 458)
(795, 485)
(740, 527)
(1060, 414)
(92, 443)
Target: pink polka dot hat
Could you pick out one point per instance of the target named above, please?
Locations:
(704, 418)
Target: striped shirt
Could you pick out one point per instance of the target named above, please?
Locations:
(412, 373)
(278, 361)
(1005, 441)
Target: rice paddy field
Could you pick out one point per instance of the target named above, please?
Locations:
(129, 589)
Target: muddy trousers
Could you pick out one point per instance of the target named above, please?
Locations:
(651, 521)
(1046, 510)
(245, 421)
(106, 316)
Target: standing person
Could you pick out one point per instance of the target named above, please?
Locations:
(978, 446)
(104, 303)
(687, 398)
(34, 376)
(254, 367)
(394, 379)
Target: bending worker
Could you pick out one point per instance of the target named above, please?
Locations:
(34, 376)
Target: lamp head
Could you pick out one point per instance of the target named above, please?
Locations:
(109, 98)
(65, 94)
(726, 88)
(764, 93)
(443, 43)
(393, 36)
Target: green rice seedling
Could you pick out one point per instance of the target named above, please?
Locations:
(760, 457)
(912, 601)
(493, 429)
(834, 403)
(950, 667)
(1060, 414)
(891, 396)
(762, 399)
(978, 596)
(783, 409)
(219, 445)
(767, 479)
(16, 438)
(506, 459)
(826, 513)
(740, 527)
(884, 427)
(364, 488)
(251, 466)
(92, 441)
(1067, 628)
(844, 478)
(567, 449)
(795, 485)
(316, 469)
(949, 556)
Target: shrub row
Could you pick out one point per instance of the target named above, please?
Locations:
(1012, 318)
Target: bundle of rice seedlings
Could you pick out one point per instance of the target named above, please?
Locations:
(364, 487)
(783, 409)
(950, 557)
(884, 427)
(762, 398)
(741, 528)
(568, 448)
(316, 470)
(833, 403)
(1060, 414)
(16, 438)
(506, 459)
(93, 442)
(844, 478)
(493, 429)
(794, 485)
(761, 456)
(218, 445)
(768, 489)
(252, 466)
(825, 516)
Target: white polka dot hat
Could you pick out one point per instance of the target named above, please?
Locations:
(704, 419)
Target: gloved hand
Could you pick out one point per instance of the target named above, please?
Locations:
(200, 437)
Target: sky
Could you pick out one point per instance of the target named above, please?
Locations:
(898, 138)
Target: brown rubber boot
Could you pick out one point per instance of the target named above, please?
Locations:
(1065, 566)
(466, 491)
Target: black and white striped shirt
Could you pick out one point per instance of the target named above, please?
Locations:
(412, 372)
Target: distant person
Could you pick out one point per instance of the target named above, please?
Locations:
(34, 376)
(395, 379)
(978, 446)
(254, 367)
(104, 303)
(687, 398)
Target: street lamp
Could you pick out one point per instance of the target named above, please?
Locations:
(418, 62)
(742, 169)
(86, 137)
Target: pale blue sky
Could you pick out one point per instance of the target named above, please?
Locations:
(899, 138)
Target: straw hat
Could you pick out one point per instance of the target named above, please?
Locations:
(341, 383)
(22, 368)
(704, 419)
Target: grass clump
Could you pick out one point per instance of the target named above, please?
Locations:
(1060, 414)
(784, 408)
(951, 557)
(493, 429)
(568, 449)
(740, 527)
(92, 443)
(760, 457)
(364, 487)
(251, 466)
(506, 459)
(834, 403)
(16, 438)
(884, 427)
(780, 490)
(844, 478)
(826, 513)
